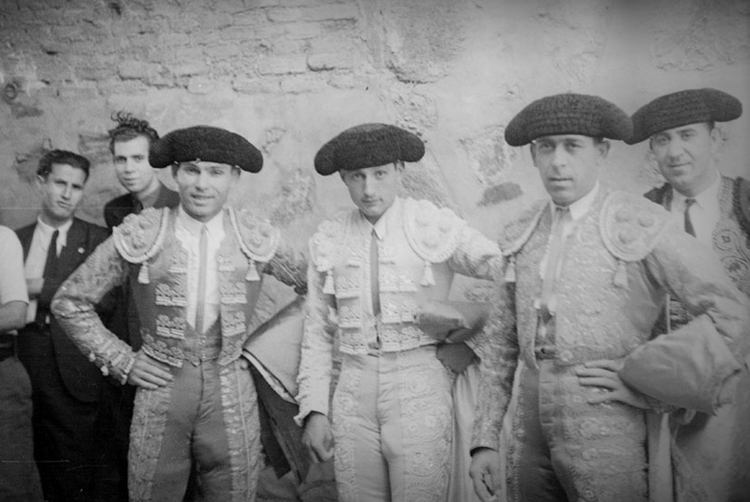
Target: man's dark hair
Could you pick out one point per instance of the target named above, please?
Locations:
(62, 157)
(129, 127)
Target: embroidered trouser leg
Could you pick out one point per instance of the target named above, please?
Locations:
(594, 452)
(206, 420)
(392, 418)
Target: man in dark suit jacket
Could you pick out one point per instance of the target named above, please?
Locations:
(65, 385)
(129, 142)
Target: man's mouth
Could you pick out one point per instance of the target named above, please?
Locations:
(201, 199)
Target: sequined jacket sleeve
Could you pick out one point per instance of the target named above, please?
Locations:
(316, 353)
(476, 256)
(289, 265)
(73, 306)
(497, 348)
(695, 366)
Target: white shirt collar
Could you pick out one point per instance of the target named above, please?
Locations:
(214, 226)
(706, 199)
(381, 226)
(580, 207)
(47, 231)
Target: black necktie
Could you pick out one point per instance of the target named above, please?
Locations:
(374, 273)
(50, 268)
(688, 222)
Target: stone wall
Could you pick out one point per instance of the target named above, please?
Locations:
(290, 74)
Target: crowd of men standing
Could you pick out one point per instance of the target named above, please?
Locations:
(618, 344)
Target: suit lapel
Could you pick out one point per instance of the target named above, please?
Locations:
(75, 248)
(25, 235)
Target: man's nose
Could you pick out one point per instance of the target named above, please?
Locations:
(369, 186)
(559, 157)
(201, 181)
(675, 148)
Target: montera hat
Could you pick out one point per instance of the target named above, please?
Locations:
(568, 114)
(682, 108)
(368, 145)
(210, 144)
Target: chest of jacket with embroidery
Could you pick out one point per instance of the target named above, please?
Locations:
(597, 290)
(412, 268)
(159, 279)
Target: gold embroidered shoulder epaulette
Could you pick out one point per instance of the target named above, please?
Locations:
(433, 233)
(515, 233)
(742, 203)
(327, 239)
(258, 239)
(631, 225)
(140, 236)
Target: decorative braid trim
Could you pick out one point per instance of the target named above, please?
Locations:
(256, 254)
(120, 237)
(630, 225)
(433, 233)
(529, 222)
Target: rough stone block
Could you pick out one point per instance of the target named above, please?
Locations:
(77, 92)
(301, 84)
(137, 70)
(72, 33)
(345, 80)
(255, 85)
(330, 61)
(287, 46)
(283, 14)
(223, 51)
(96, 71)
(282, 65)
(268, 32)
(500, 193)
(215, 20)
(304, 30)
(172, 39)
(332, 11)
(253, 17)
(296, 196)
(189, 69)
(200, 85)
(488, 154)
(122, 88)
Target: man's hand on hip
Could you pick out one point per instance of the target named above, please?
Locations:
(149, 373)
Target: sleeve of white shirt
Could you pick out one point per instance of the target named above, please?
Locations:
(12, 281)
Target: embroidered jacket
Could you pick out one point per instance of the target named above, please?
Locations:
(620, 260)
(145, 251)
(709, 452)
(422, 249)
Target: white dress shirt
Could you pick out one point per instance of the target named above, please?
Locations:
(188, 232)
(577, 210)
(705, 213)
(37, 257)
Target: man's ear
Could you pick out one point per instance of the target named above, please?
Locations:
(716, 141)
(532, 149)
(603, 146)
(40, 180)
